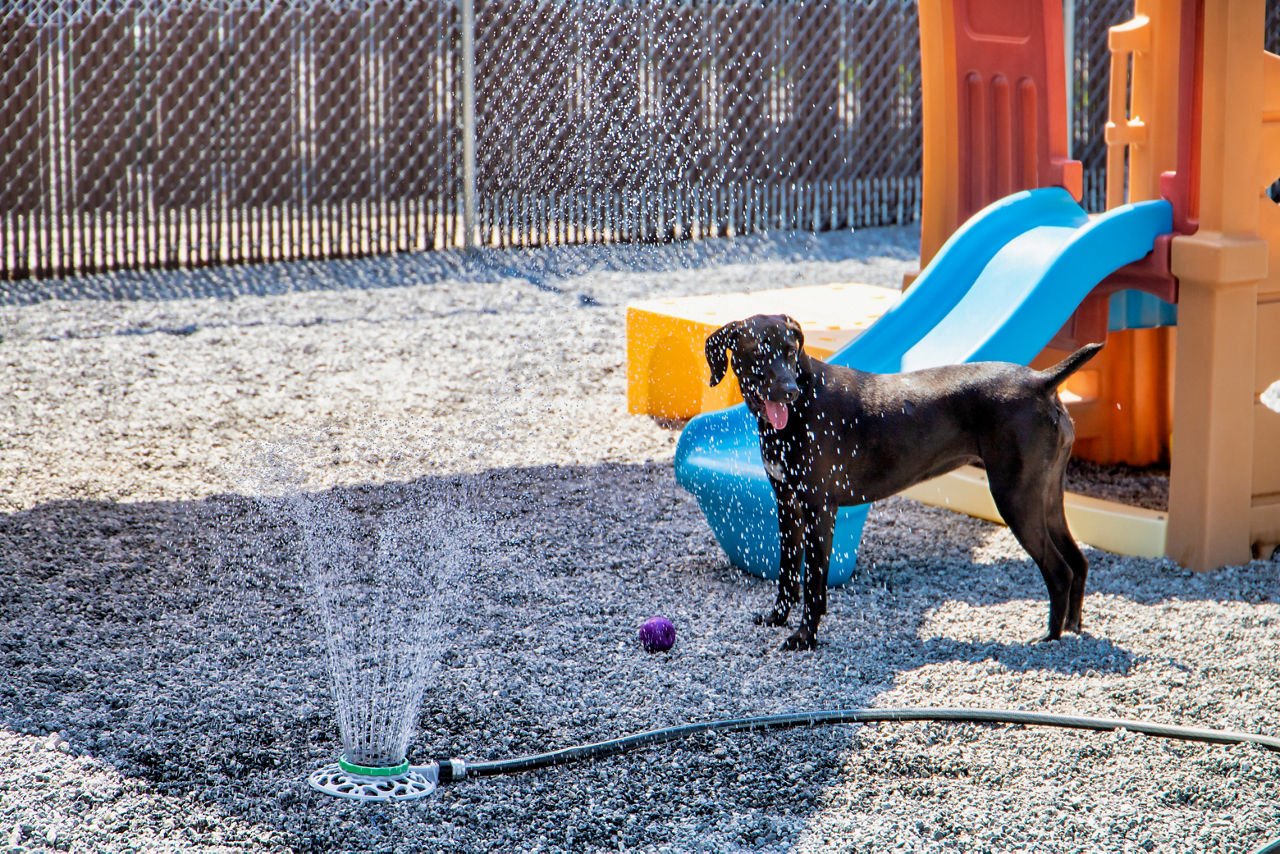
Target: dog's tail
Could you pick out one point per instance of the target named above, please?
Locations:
(1054, 376)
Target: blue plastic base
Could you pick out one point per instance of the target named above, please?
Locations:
(721, 450)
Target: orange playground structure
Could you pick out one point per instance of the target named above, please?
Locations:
(1224, 486)
(1194, 111)
(1202, 129)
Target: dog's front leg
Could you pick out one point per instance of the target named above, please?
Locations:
(819, 530)
(791, 534)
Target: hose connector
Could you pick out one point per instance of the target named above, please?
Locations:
(452, 770)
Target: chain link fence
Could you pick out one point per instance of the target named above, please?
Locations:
(655, 121)
(150, 134)
(1091, 76)
(179, 133)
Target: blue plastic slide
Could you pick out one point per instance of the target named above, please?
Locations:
(999, 289)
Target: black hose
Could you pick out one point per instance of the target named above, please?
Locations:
(456, 769)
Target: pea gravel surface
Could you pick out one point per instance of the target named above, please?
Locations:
(163, 679)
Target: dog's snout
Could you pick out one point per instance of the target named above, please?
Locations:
(782, 385)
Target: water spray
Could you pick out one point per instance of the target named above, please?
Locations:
(385, 596)
(388, 567)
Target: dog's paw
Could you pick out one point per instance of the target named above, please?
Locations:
(801, 640)
(774, 617)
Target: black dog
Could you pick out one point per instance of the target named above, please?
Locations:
(832, 436)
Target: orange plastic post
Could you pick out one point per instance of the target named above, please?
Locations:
(1221, 270)
(995, 117)
(1140, 126)
(1264, 514)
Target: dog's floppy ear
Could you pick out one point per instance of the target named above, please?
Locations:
(719, 341)
(795, 327)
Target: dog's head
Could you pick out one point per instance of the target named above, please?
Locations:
(766, 352)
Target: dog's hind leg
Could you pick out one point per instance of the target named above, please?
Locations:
(1056, 518)
(1023, 502)
(1079, 564)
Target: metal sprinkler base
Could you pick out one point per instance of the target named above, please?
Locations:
(398, 783)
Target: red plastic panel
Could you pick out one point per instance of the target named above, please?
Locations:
(1012, 123)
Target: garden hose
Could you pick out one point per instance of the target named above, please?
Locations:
(456, 769)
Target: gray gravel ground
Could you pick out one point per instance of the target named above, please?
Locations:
(164, 684)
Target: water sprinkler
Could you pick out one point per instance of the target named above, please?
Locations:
(402, 782)
(385, 586)
(387, 576)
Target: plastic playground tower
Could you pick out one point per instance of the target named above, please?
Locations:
(1016, 270)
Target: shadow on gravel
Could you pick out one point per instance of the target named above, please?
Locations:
(176, 641)
(1087, 655)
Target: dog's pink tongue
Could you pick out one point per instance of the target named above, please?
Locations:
(776, 413)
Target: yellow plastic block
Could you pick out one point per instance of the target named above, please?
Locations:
(667, 374)
(1106, 525)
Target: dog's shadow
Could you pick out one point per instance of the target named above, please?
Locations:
(1074, 655)
(934, 587)
(936, 624)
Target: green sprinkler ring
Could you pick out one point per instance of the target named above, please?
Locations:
(400, 782)
(366, 771)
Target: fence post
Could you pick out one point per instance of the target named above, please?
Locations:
(469, 234)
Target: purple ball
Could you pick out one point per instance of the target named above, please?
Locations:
(657, 634)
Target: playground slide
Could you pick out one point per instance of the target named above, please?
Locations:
(999, 289)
